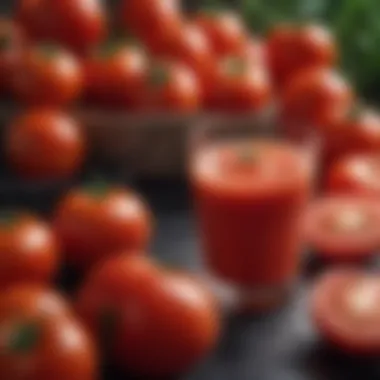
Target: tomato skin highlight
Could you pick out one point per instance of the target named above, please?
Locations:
(152, 21)
(355, 174)
(47, 76)
(293, 49)
(338, 309)
(343, 229)
(93, 227)
(29, 251)
(113, 78)
(41, 337)
(239, 86)
(225, 31)
(191, 47)
(155, 309)
(77, 25)
(45, 145)
(315, 98)
(172, 87)
(358, 133)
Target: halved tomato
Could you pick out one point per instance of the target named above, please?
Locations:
(345, 307)
(343, 228)
(356, 174)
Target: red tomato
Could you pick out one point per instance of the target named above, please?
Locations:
(315, 97)
(152, 21)
(345, 307)
(79, 25)
(343, 228)
(225, 30)
(47, 76)
(114, 75)
(293, 49)
(190, 46)
(357, 174)
(149, 310)
(357, 133)
(45, 144)
(239, 86)
(170, 86)
(11, 45)
(28, 250)
(255, 52)
(40, 339)
(93, 223)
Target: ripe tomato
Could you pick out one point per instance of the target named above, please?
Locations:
(343, 228)
(47, 76)
(95, 222)
(28, 250)
(357, 174)
(190, 46)
(355, 133)
(11, 45)
(40, 339)
(225, 30)
(345, 309)
(45, 145)
(239, 86)
(152, 21)
(170, 86)
(150, 310)
(293, 49)
(315, 97)
(114, 75)
(79, 25)
(255, 52)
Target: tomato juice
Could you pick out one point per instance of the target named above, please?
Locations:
(249, 196)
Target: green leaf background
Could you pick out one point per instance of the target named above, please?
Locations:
(356, 24)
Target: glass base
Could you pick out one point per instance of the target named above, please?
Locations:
(242, 299)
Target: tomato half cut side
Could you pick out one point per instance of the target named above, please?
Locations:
(345, 307)
(343, 229)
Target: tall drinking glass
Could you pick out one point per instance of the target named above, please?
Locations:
(251, 185)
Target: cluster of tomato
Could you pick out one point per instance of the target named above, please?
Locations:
(57, 52)
(129, 311)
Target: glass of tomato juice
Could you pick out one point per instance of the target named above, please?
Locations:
(250, 187)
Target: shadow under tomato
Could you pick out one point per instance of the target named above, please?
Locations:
(315, 265)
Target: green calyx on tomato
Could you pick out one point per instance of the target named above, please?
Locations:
(355, 112)
(49, 51)
(158, 76)
(212, 10)
(24, 337)
(110, 48)
(97, 189)
(234, 66)
(8, 218)
(247, 154)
